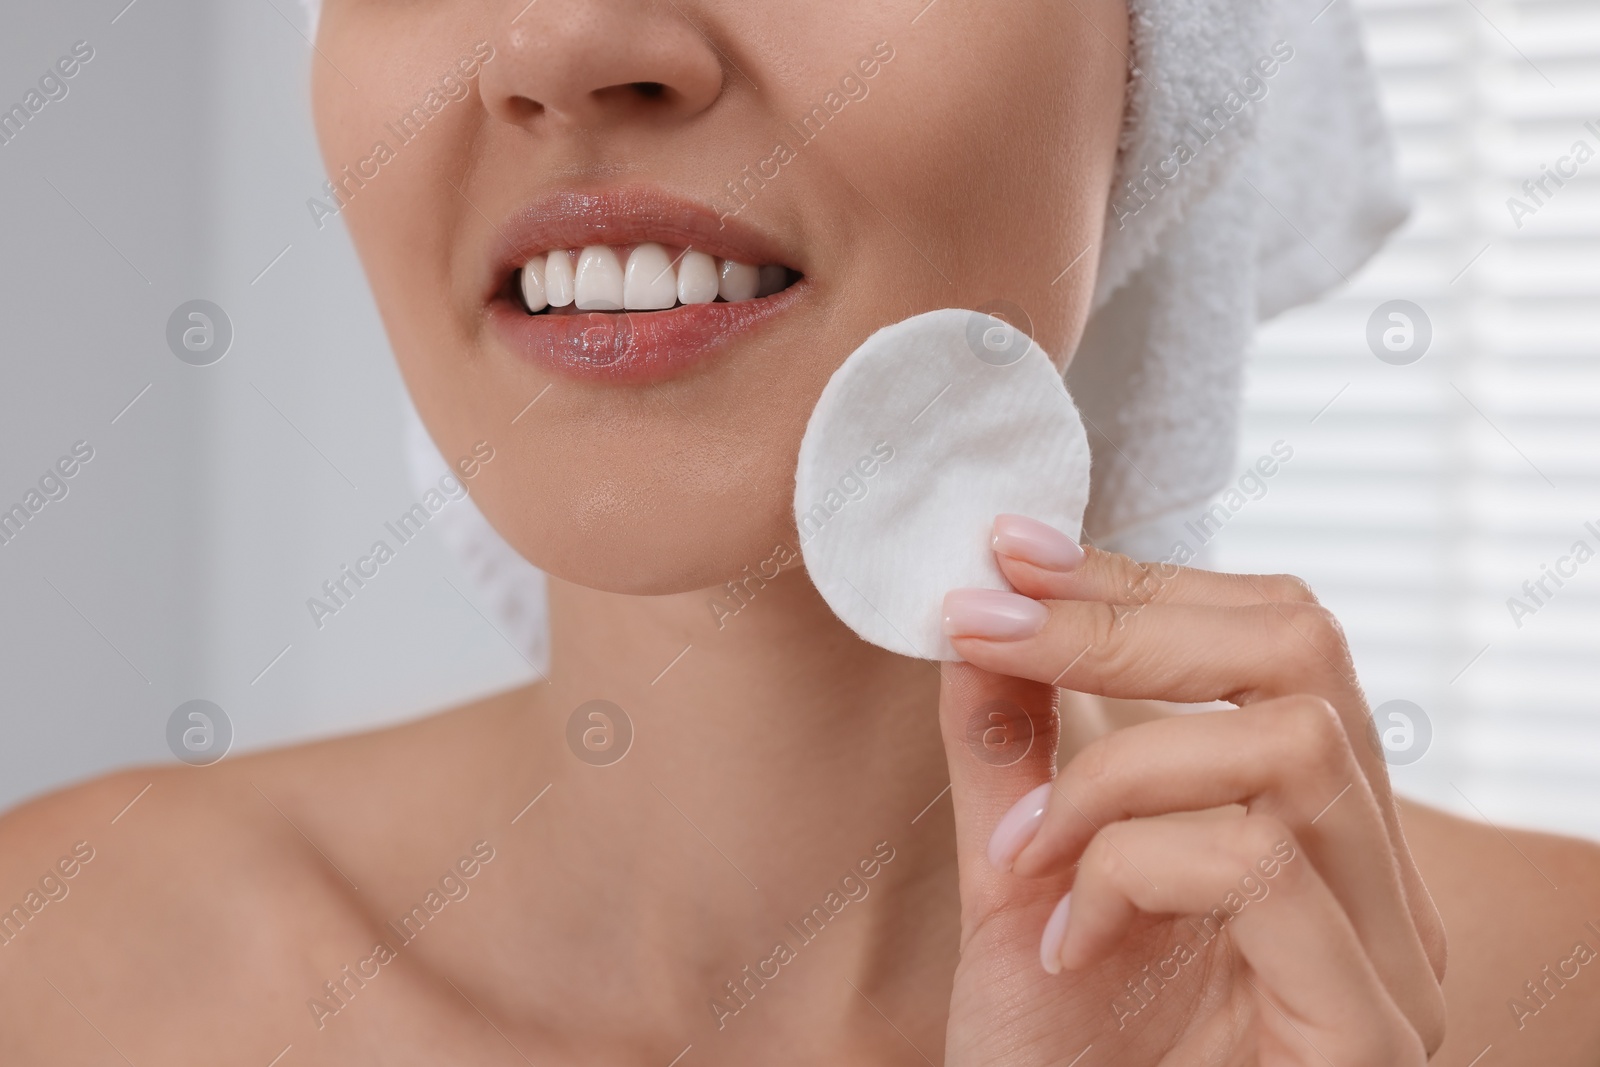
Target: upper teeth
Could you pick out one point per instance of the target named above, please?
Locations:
(595, 278)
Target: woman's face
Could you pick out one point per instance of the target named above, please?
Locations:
(881, 159)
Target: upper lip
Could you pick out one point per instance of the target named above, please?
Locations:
(626, 216)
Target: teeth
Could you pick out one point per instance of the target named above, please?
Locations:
(533, 285)
(740, 281)
(649, 284)
(697, 278)
(597, 285)
(642, 277)
(772, 280)
(558, 278)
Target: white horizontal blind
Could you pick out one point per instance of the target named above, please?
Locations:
(1421, 497)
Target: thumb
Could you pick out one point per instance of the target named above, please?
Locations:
(1000, 735)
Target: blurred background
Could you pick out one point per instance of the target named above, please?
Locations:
(1441, 460)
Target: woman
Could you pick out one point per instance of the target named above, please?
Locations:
(804, 856)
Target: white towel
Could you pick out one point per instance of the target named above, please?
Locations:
(1286, 191)
(1293, 192)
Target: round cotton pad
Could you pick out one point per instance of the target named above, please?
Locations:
(929, 430)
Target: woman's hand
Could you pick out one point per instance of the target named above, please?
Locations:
(1283, 924)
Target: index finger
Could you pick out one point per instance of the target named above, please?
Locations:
(1042, 562)
(1185, 653)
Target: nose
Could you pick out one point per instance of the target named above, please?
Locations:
(584, 64)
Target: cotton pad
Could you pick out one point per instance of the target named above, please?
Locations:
(929, 430)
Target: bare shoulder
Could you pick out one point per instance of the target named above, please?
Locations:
(1522, 913)
(212, 887)
(143, 889)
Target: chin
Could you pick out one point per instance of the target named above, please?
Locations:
(624, 537)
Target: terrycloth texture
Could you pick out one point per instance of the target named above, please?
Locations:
(923, 435)
(1288, 189)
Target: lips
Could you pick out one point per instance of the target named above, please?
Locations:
(570, 327)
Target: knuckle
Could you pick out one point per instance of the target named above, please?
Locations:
(1260, 833)
(1093, 639)
(1259, 837)
(1104, 858)
(1145, 586)
(1111, 651)
(1285, 589)
(1122, 570)
(1092, 768)
(1104, 625)
(1315, 740)
(1311, 629)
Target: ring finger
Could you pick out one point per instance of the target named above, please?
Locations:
(1245, 875)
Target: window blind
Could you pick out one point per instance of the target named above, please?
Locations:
(1438, 506)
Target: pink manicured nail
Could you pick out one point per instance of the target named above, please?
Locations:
(1033, 542)
(992, 614)
(1017, 827)
(1055, 934)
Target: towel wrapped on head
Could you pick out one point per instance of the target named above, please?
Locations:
(1255, 173)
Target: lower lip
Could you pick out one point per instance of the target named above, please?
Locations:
(632, 348)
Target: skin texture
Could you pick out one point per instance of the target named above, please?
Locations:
(655, 490)
(774, 754)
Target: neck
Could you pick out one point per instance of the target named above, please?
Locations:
(775, 759)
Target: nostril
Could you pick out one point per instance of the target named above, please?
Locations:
(522, 108)
(636, 98)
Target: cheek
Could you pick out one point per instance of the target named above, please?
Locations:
(987, 154)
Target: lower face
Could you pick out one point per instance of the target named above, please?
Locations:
(758, 188)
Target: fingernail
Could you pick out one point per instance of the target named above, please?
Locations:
(1033, 542)
(992, 614)
(1017, 827)
(1055, 934)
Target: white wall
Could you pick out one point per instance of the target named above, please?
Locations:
(193, 538)
(82, 335)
